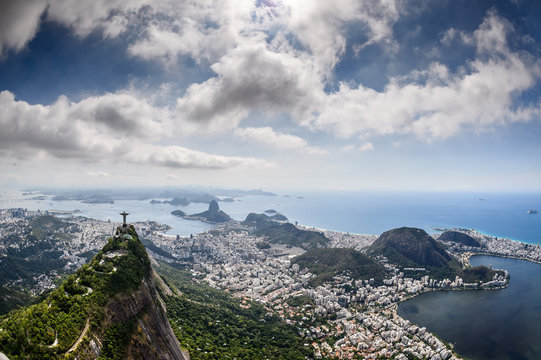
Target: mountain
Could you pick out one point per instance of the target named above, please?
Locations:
(459, 238)
(284, 233)
(411, 247)
(329, 262)
(110, 308)
(212, 215)
(178, 213)
(254, 219)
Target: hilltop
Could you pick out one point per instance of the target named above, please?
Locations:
(109, 308)
(414, 248)
(284, 233)
(459, 238)
(329, 262)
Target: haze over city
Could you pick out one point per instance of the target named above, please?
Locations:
(383, 95)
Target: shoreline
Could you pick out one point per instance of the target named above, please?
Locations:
(501, 256)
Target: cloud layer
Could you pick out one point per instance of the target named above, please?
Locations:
(115, 127)
(278, 58)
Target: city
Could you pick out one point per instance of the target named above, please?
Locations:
(343, 318)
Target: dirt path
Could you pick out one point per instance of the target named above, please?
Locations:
(74, 346)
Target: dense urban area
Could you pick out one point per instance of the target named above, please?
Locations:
(342, 317)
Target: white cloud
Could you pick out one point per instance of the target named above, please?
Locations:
(254, 76)
(85, 16)
(435, 103)
(320, 25)
(274, 57)
(98, 173)
(19, 21)
(268, 136)
(366, 147)
(113, 128)
(180, 157)
(348, 148)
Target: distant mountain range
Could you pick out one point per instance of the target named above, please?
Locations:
(199, 195)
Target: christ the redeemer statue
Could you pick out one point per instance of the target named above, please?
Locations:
(124, 214)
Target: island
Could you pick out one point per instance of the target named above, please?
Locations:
(213, 215)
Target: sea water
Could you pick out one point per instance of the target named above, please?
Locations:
(503, 215)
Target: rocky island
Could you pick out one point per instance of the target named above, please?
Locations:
(213, 215)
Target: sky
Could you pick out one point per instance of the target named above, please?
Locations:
(375, 95)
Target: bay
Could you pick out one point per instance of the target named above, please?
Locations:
(357, 212)
(486, 324)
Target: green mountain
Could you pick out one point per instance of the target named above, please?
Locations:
(212, 215)
(459, 238)
(329, 262)
(284, 233)
(109, 308)
(414, 248)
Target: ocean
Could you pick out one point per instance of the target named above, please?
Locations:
(502, 215)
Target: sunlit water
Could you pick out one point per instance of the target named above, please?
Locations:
(368, 213)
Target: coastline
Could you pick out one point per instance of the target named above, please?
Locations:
(354, 237)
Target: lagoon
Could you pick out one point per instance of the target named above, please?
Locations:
(486, 324)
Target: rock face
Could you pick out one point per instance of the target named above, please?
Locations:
(213, 206)
(153, 337)
(212, 215)
(110, 309)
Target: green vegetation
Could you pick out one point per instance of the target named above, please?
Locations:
(300, 300)
(329, 262)
(459, 238)
(286, 234)
(116, 340)
(11, 298)
(262, 245)
(478, 273)
(213, 325)
(46, 330)
(414, 248)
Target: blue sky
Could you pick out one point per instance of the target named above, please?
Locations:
(275, 94)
